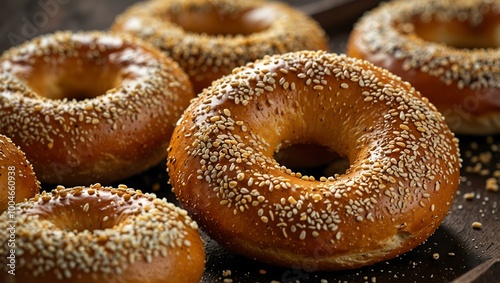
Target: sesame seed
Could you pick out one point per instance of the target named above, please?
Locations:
(469, 196)
(477, 225)
(302, 235)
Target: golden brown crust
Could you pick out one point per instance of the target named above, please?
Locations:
(90, 107)
(402, 180)
(17, 179)
(447, 49)
(102, 234)
(210, 38)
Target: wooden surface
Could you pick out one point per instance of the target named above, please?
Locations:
(455, 249)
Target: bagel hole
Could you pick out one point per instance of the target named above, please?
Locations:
(92, 223)
(80, 214)
(70, 78)
(458, 34)
(73, 220)
(312, 160)
(77, 84)
(215, 22)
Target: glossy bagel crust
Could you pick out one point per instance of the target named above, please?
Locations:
(449, 50)
(210, 38)
(401, 183)
(17, 179)
(102, 234)
(90, 107)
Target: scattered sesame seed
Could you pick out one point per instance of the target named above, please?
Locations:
(477, 225)
(226, 273)
(469, 196)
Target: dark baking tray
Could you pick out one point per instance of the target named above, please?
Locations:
(465, 254)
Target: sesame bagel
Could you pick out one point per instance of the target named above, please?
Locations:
(90, 107)
(449, 50)
(102, 234)
(17, 179)
(209, 38)
(402, 179)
